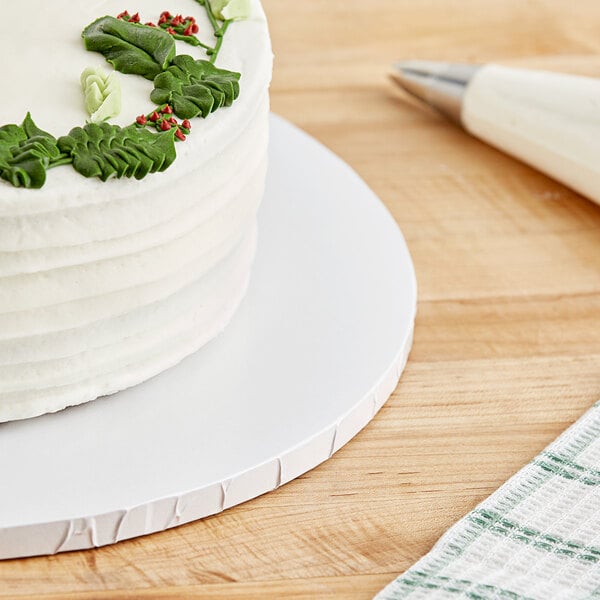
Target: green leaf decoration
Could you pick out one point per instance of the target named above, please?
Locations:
(195, 87)
(191, 87)
(26, 153)
(106, 151)
(102, 93)
(130, 47)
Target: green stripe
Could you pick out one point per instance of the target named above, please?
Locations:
(468, 589)
(498, 525)
(458, 539)
(567, 469)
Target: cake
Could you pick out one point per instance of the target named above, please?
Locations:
(104, 284)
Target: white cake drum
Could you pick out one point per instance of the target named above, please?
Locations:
(314, 351)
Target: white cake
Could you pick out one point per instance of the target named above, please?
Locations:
(105, 284)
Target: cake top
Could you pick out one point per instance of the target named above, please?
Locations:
(43, 55)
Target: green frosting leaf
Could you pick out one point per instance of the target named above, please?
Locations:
(230, 10)
(130, 47)
(108, 151)
(102, 93)
(26, 153)
(195, 87)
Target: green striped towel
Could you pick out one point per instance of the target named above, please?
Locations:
(536, 538)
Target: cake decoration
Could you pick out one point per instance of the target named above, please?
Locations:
(102, 92)
(195, 87)
(130, 47)
(186, 87)
(163, 120)
(107, 151)
(230, 10)
(26, 153)
(214, 11)
(181, 28)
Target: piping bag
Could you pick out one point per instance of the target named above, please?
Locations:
(548, 120)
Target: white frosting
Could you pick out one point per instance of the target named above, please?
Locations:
(103, 285)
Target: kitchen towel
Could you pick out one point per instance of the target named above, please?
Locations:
(535, 538)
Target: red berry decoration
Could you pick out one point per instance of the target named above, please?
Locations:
(163, 119)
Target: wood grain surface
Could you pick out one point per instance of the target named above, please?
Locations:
(507, 345)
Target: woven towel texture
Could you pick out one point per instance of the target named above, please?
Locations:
(536, 538)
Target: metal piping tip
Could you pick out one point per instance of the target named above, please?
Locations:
(439, 84)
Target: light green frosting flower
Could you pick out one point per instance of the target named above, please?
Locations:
(102, 93)
(230, 10)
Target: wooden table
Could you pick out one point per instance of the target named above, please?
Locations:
(507, 346)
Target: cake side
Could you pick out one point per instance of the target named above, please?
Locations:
(106, 284)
